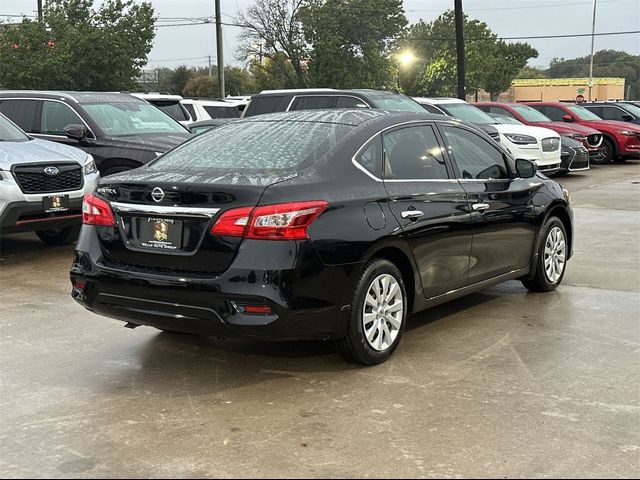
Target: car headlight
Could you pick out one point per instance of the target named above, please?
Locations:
(90, 166)
(628, 133)
(521, 139)
(578, 136)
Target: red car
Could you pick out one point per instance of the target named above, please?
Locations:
(590, 138)
(621, 139)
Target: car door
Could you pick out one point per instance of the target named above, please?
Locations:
(501, 206)
(430, 206)
(54, 117)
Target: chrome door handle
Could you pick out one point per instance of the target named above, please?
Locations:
(412, 214)
(480, 207)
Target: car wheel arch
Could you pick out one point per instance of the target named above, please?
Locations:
(403, 260)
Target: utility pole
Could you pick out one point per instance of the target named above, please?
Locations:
(460, 48)
(593, 38)
(209, 56)
(219, 51)
(39, 10)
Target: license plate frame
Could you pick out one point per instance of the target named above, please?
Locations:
(55, 203)
(161, 234)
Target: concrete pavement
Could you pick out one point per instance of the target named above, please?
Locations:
(501, 383)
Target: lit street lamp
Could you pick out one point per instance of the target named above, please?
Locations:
(405, 59)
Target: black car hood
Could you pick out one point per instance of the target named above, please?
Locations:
(156, 142)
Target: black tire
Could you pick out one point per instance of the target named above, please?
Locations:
(59, 236)
(355, 347)
(620, 159)
(540, 281)
(608, 152)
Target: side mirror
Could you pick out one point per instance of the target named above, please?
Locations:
(526, 168)
(627, 118)
(567, 118)
(76, 132)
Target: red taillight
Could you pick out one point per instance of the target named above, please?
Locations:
(232, 223)
(96, 211)
(257, 309)
(284, 221)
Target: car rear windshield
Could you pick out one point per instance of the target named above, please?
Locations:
(131, 118)
(222, 112)
(393, 101)
(469, 113)
(9, 132)
(531, 114)
(252, 146)
(583, 113)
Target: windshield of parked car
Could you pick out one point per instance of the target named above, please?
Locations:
(468, 113)
(393, 101)
(506, 120)
(631, 108)
(531, 114)
(131, 118)
(253, 146)
(582, 113)
(9, 132)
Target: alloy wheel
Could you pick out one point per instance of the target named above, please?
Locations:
(554, 254)
(383, 312)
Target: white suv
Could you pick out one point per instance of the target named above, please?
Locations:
(202, 109)
(41, 185)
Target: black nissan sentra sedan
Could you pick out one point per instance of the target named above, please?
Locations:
(318, 225)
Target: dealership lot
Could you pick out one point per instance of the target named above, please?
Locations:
(503, 381)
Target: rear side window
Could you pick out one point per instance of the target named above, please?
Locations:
(313, 102)
(255, 146)
(350, 102)
(266, 104)
(23, 113)
(413, 153)
(173, 110)
(222, 112)
(191, 110)
(370, 157)
(56, 116)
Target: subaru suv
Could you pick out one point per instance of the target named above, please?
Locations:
(42, 185)
(120, 131)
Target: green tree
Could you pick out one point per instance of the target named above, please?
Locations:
(204, 86)
(238, 81)
(531, 72)
(350, 42)
(179, 78)
(509, 59)
(77, 47)
(274, 72)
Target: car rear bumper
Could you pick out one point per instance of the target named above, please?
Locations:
(306, 301)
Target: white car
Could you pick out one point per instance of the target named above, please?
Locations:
(538, 144)
(201, 109)
(42, 184)
(169, 104)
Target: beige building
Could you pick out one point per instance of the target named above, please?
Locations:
(558, 89)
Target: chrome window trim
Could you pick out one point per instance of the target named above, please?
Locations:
(93, 136)
(371, 175)
(164, 210)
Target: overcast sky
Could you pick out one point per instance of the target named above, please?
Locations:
(507, 18)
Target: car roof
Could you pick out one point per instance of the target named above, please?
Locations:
(438, 100)
(320, 91)
(76, 97)
(210, 103)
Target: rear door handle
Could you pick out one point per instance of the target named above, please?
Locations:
(412, 214)
(480, 207)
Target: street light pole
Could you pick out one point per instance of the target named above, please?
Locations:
(457, 4)
(219, 51)
(39, 10)
(593, 37)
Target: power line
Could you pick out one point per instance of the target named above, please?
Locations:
(520, 7)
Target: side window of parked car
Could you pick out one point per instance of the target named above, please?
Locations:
(370, 157)
(56, 116)
(554, 113)
(431, 109)
(611, 113)
(475, 157)
(350, 102)
(413, 153)
(22, 112)
(313, 102)
(191, 110)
